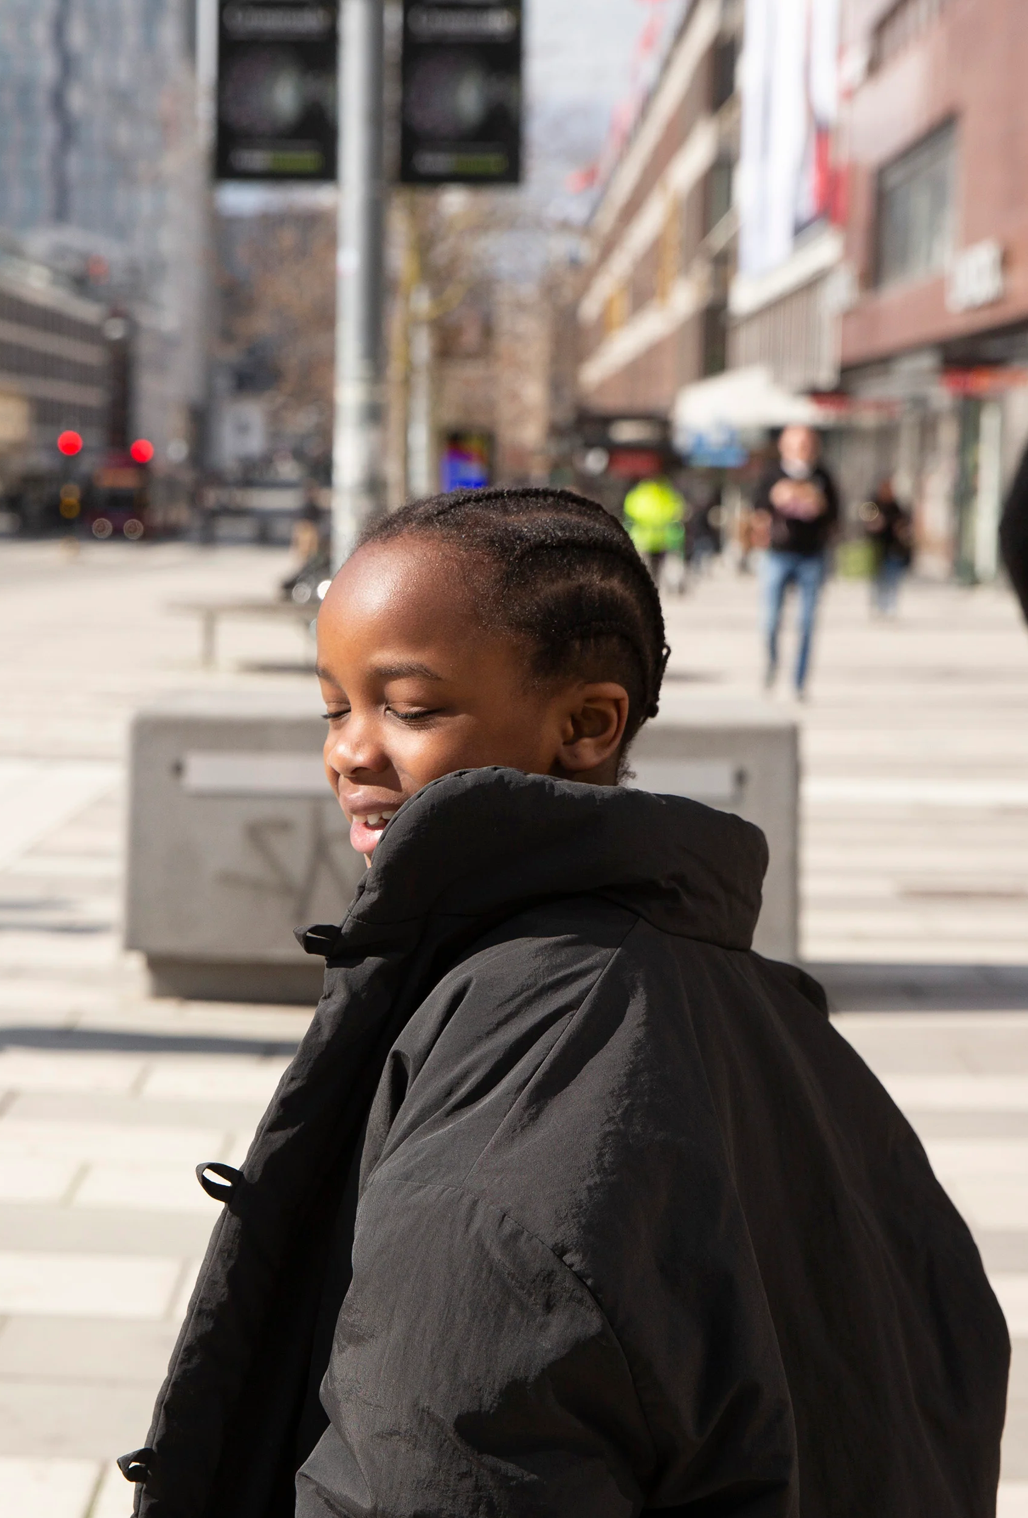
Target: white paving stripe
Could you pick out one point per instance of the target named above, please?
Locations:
(49, 1488)
(1013, 1500)
(198, 1077)
(96, 1142)
(958, 1093)
(39, 796)
(35, 1178)
(1012, 1292)
(87, 1285)
(150, 1188)
(115, 1497)
(910, 791)
(46, 1070)
(214, 1078)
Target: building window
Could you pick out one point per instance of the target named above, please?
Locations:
(722, 71)
(902, 25)
(916, 196)
(669, 259)
(719, 193)
(715, 339)
(616, 311)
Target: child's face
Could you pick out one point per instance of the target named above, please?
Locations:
(415, 689)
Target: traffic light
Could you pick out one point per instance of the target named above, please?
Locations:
(69, 443)
(277, 66)
(462, 67)
(142, 450)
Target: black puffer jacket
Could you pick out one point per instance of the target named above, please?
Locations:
(631, 1227)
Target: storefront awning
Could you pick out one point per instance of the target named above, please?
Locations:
(744, 400)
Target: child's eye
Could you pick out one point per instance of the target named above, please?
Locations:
(337, 716)
(413, 716)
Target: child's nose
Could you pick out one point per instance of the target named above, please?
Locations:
(357, 750)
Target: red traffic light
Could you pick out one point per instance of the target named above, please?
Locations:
(142, 450)
(69, 444)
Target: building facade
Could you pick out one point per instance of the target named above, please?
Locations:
(101, 176)
(783, 301)
(934, 334)
(54, 361)
(652, 315)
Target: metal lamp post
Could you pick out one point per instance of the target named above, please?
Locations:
(357, 476)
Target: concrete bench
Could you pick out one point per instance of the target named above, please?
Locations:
(213, 612)
(235, 838)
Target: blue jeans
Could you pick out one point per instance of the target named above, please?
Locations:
(780, 570)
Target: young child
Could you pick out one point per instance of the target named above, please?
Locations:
(570, 1205)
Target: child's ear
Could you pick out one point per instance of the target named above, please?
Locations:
(593, 730)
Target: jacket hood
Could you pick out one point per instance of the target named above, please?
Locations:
(483, 843)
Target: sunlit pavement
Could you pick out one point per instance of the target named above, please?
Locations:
(916, 905)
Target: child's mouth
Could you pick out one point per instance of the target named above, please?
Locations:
(366, 832)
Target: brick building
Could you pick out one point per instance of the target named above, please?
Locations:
(652, 315)
(935, 334)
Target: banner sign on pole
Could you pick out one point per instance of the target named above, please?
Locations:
(462, 68)
(277, 69)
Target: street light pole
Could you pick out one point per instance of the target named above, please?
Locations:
(357, 487)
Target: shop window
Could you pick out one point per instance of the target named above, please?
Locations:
(916, 209)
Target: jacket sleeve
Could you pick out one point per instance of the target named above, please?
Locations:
(472, 1373)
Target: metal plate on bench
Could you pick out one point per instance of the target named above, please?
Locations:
(717, 782)
(224, 773)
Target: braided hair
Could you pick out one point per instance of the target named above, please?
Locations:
(567, 580)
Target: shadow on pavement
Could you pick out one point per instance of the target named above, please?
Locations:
(109, 1041)
(923, 988)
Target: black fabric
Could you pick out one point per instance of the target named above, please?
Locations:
(615, 1220)
(1013, 534)
(792, 534)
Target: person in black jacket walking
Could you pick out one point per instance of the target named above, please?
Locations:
(889, 531)
(570, 1205)
(798, 506)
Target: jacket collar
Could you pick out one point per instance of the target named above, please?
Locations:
(488, 842)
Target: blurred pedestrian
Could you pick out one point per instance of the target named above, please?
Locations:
(703, 530)
(1013, 534)
(655, 515)
(311, 546)
(797, 508)
(888, 528)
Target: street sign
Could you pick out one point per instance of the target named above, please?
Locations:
(462, 67)
(277, 67)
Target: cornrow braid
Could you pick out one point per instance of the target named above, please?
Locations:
(568, 581)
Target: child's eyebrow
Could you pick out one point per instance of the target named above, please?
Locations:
(410, 671)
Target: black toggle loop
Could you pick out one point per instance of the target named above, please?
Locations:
(221, 1190)
(136, 1466)
(319, 940)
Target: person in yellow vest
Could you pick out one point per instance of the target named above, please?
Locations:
(655, 514)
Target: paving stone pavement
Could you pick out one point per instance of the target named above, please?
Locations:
(916, 904)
